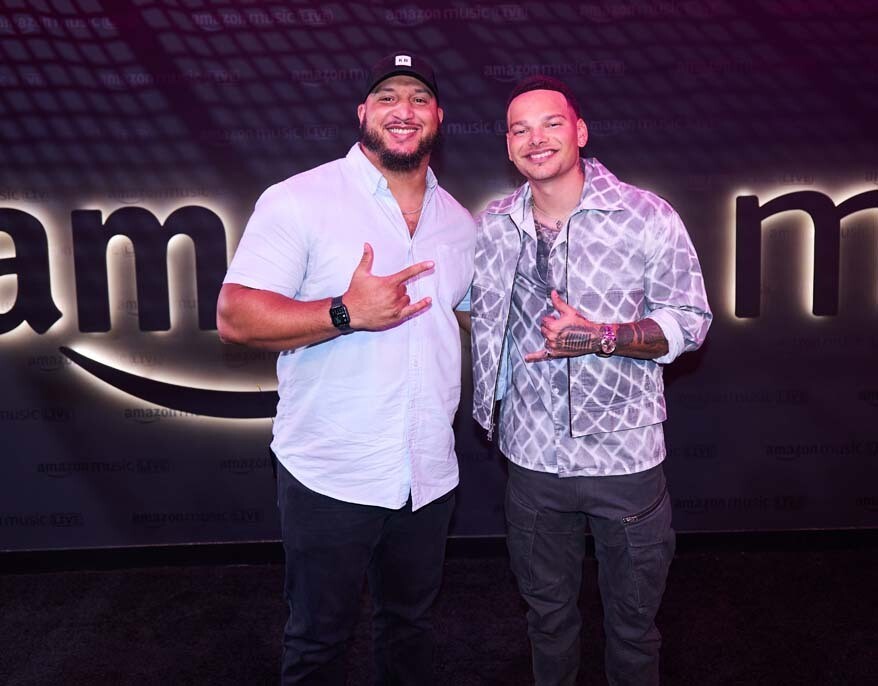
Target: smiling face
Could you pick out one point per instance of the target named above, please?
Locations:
(399, 123)
(544, 135)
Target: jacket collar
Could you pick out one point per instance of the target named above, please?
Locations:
(601, 191)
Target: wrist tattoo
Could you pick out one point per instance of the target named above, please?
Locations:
(645, 337)
(575, 339)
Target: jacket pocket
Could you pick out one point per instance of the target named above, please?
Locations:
(599, 383)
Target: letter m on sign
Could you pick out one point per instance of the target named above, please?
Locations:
(826, 217)
(150, 241)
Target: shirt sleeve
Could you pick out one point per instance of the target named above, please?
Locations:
(273, 252)
(674, 285)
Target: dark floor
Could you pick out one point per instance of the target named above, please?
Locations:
(798, 617)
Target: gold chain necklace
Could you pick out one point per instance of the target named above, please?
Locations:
(558, 222)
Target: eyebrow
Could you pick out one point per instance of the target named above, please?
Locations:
(391, 89)
(523, 122)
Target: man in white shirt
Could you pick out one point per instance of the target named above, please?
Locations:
(352, 271)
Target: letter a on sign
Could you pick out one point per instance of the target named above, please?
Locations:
(403, 61)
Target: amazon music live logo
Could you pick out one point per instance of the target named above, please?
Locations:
(39, 519)
(512, 73)
(134, 195)
(37, 414)
(411, 15)
(223, 18)
(150, 415)
(313, 76)
(245, 465)
(247, 136)
(238, 356)
(693, 451)
(48, 363)
(23, 195)
(477, 127)
(780, 397)
(609, 11)
(130, 80)
(788, 452)
(34, 24)
(157, 520)
(705, 504)
(63, 470)
(857, 342)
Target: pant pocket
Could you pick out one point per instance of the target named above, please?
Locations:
(520, 530)
(651, 543)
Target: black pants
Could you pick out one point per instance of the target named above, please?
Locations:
(630, 518)
(330, 546)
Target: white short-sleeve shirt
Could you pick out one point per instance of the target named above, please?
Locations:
(365, 417)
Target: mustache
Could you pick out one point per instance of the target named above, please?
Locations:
(370, 138)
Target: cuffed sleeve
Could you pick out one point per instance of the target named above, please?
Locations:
(674, 286)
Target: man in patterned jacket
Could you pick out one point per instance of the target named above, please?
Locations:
(584, 288)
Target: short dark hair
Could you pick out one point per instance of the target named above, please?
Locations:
(541, 82)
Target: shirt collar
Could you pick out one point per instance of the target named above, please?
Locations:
(373, 178)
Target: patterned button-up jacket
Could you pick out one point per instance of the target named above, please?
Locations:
(629, 257)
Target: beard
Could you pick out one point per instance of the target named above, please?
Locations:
(397, 161)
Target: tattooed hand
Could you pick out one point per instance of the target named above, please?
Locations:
(567, 335)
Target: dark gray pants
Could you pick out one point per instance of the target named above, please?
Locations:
(330, 546)
(630, 519)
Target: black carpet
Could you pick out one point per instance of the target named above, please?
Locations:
(804, 615)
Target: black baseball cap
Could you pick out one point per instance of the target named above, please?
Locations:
(402, 64)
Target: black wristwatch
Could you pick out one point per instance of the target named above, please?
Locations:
(338, 313)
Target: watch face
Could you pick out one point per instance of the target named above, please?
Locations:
(608, 346)
(340, 317)
(608, 340)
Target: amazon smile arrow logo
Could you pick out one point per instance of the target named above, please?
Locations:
(91, 233)
(211, 403)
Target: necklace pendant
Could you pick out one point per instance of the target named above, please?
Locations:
(558, 224)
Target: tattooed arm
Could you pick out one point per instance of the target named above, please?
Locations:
(643, 339)
(571, 335)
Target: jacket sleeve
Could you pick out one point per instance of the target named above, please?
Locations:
(673, 284)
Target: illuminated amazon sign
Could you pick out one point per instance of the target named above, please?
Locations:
(826, 217)
(91, 235)
(149, 237)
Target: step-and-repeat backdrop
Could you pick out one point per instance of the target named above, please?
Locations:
(135, 138)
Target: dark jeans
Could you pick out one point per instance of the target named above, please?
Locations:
(330, 546)
(630, 518)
